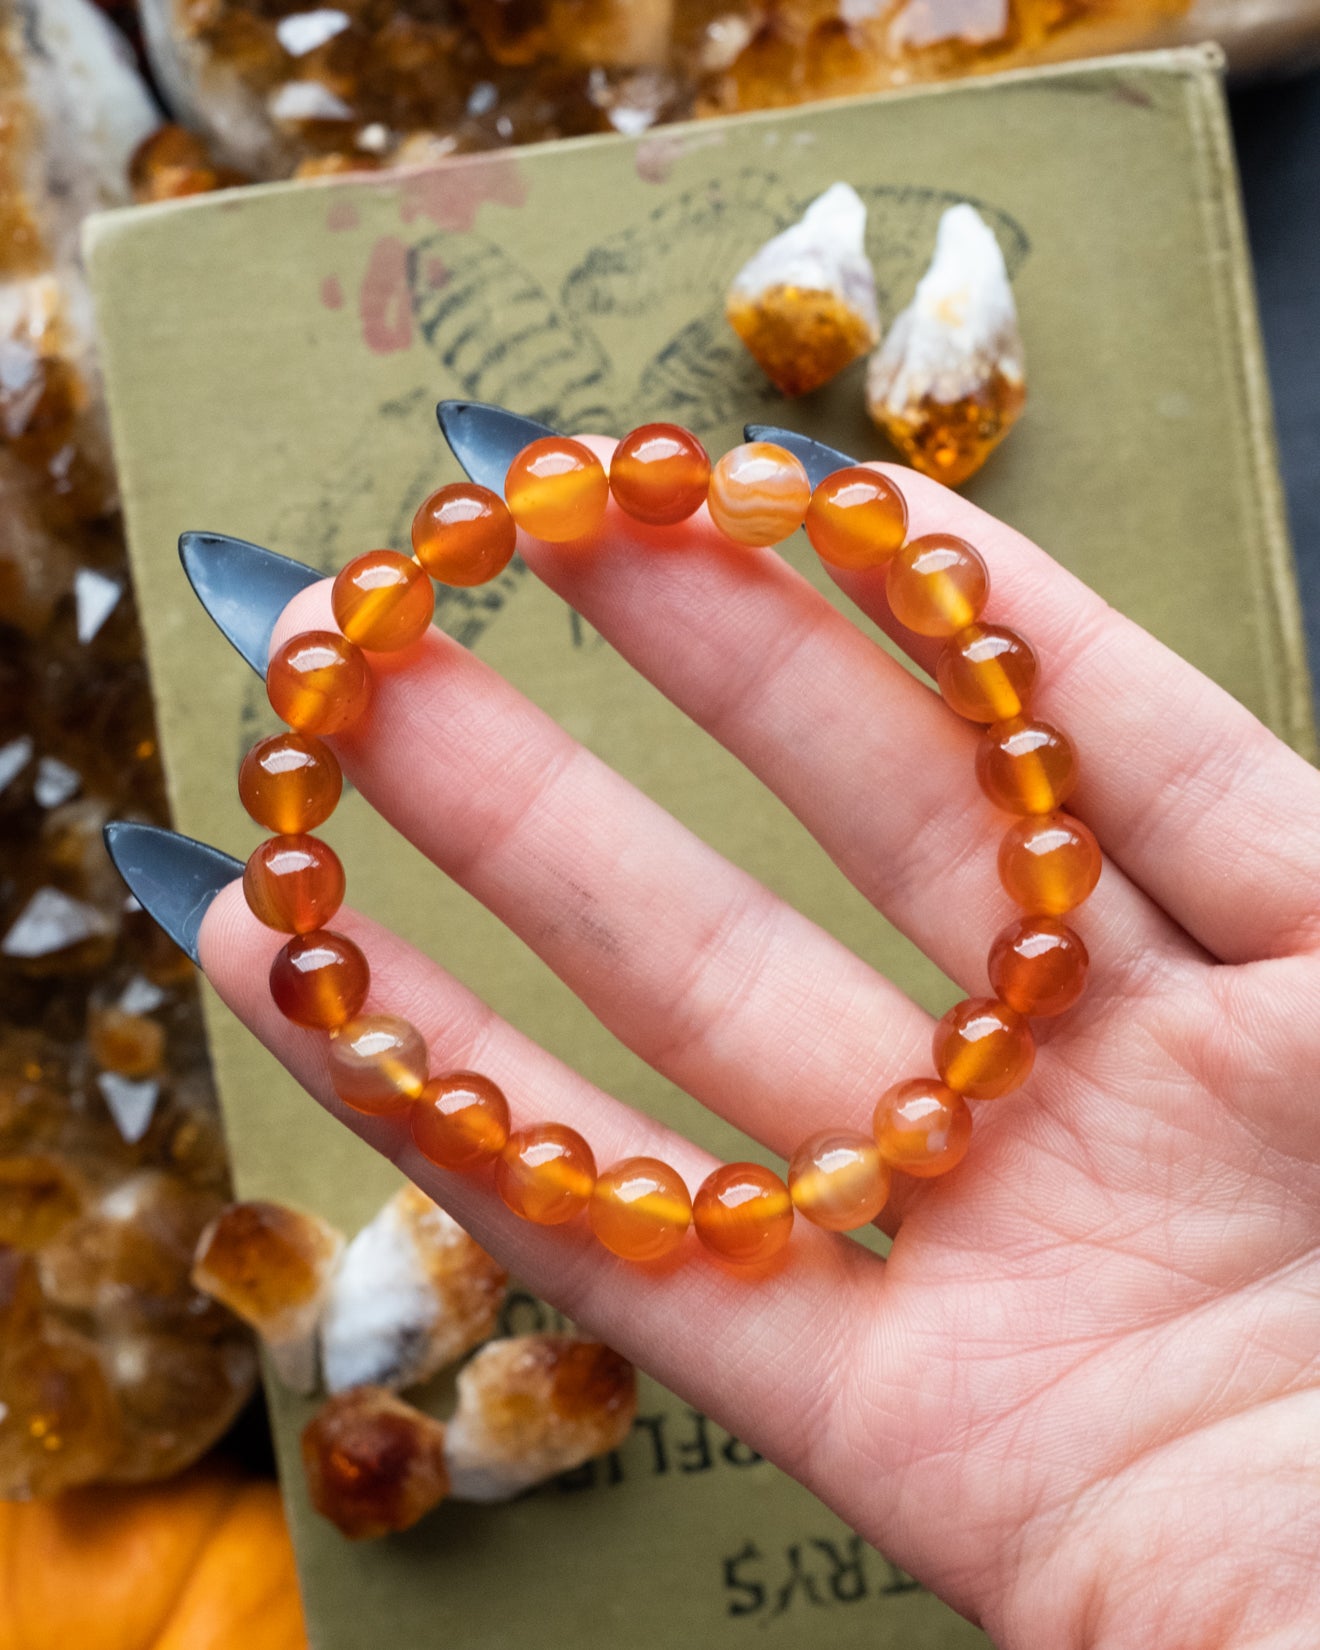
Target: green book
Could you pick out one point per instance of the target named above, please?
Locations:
(273, 358)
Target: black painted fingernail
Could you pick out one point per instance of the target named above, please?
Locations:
(172, 877)
(485, 440)
(243, 587)
(818, 460)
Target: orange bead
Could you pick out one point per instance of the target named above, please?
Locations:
(382, 601)
(1025, 766)
(294, 883)
(759, 493)
(983, 1048)
(836, 1179)
(640, 1209)
(319, 980)
(922, 1127)
(743, 1212)
(1038, 966)
(546, 1173)
(460, 1121)
(377, 1063)
(986, 673)
(557, 489)
(319, 682)
(464, 534)
(660, 473)
(856, 518)
(290, 783)
(937, 585)
(1049, 864)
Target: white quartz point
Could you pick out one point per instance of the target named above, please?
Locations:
(824, 251)
(414, 1293)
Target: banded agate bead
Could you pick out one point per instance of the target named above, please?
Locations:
(377, 1063)
(1049, 864)
(640, 1209)
(460, 1121)
(759, 493)
(557, 489)
(983, 1049)
(856, 518)
(922, 1127)
(382, 601)
(546, 1173)
(319, 980)
(464, 534)
(1025, 766)
(986, 673)
(290, 783)
(937, 585)
(743, 1213)
(660, 474)
(319, 682)
(1038, 966)
(294, 883)
(836, 1179)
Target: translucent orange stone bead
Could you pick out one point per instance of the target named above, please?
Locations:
(546, 1173)
(856, 518)
(319, 682)
(759, 493)
(986, 673)
(1038, 966)
(922, 1127)
(1025, 766)
(1049, 864)
(983, 1048)
(743, 1212)
(836, 1179)
(460, 1121)
(294, 883)
(319, 980)
(290, 783)
(660, 473)
(377, 1062)
(937, 585)
(382, 601)
(464, 534)
(640, 1209)
(557, 489)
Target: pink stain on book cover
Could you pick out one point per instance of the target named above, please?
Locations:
(385, 300)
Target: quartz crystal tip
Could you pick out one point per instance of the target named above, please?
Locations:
(816, 458)
(172, 877)
(485, 440)
(243, 587)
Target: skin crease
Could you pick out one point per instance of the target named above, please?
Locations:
(1081, 1400)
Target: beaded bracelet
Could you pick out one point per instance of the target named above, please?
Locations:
(556, 489)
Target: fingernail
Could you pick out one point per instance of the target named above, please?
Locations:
(172, 877)
(818, 460)
(243, 587)
(485, 440)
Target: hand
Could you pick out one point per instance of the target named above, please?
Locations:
(1081, 1398)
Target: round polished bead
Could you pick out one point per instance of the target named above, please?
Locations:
(319, 682)
(377, 1062)
(557, 489)
(857, 518)
(1025, 766)
(983, 1048)
(464, 534)
(759, 493)
(986, 673)
(290, 783)
(836, 1179)
(1038, 966)
(640, 1209)
(382, 601)
(546, 1173)
(294, 883)
(744, 1213)
(460, 1121)
(1049, 864)
(922, 1127)
(660, 473)
(937, 585)
(319, 980)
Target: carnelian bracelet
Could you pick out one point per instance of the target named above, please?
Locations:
(556, 489)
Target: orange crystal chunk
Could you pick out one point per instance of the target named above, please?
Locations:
(743, 1213)
(758, 494)
(951, 440)
(319, 682)
(557, 489)
(937, 585)
(922, 1127)
(640, 1209)
(294, 883)
(59, 1422)
(837, 1180)
(546, 1173)
(378, 1062)
(857, 518)
(319, 980)
(660, 474)
(374, 1464)
(983, 1048)
(986, 673)
(800, 337)
(464, 534)
(290, 783)
(382, 601)
(460, 1121)
(1038, 966)
(1049, 864)
(1025, 766)
(264, 1260)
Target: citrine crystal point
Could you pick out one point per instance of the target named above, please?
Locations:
(374, 1464)
(243, 587)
